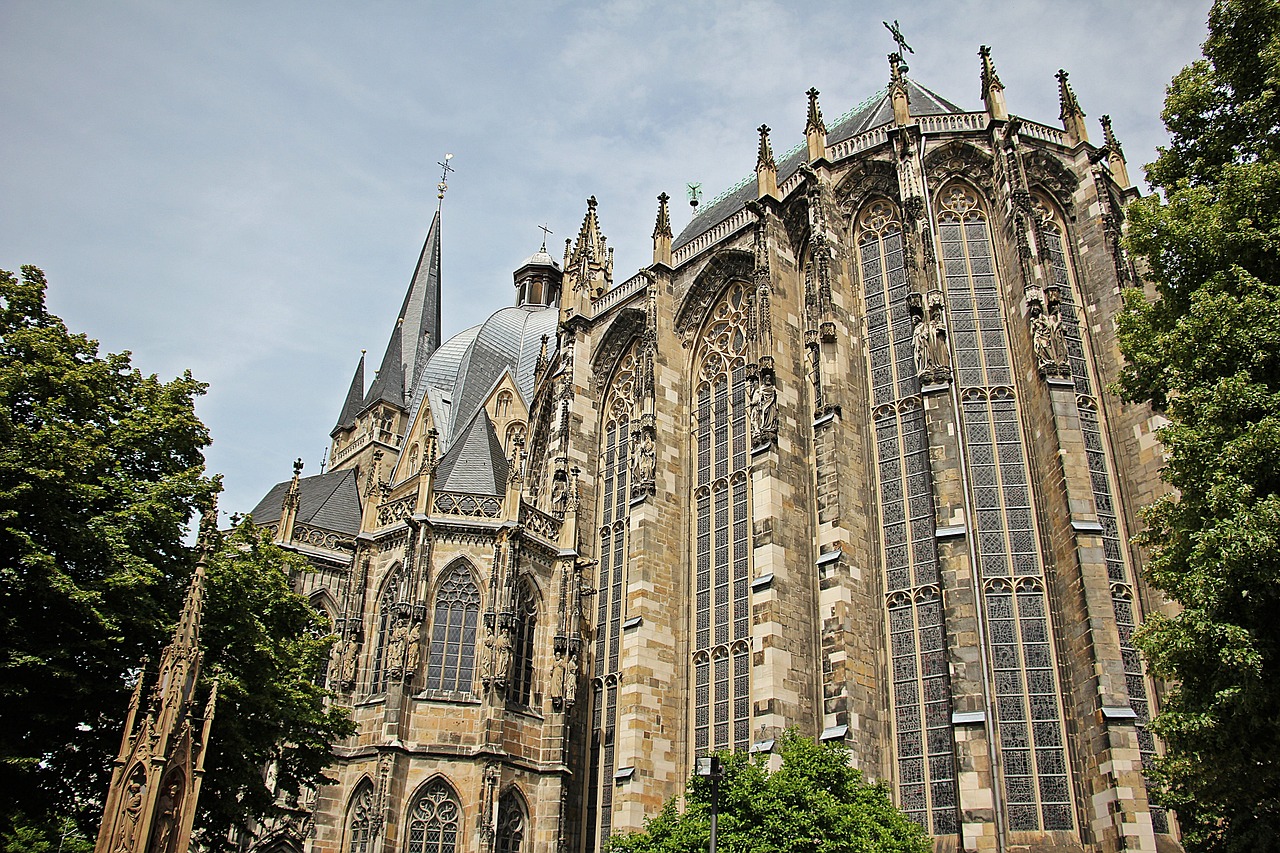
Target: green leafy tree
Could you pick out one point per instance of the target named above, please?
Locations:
(101, 470)
(1206, 352)
(814, 803)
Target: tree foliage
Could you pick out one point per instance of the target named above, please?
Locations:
(1206, 352)
(814, 803)
(101, 470)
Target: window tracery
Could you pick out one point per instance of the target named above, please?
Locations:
(525, 621)
(611, 551)
(451, 663)
(390, 604)
(1029, 729)
(722, 529)
(434, 820)
(511, 823)
(921, 690)
(360, 819)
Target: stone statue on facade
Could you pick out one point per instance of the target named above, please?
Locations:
(557, 681)
(1047, 342)
(397, 648)
(571, 680)
(347, 669)
(762, 410)
(502, 657)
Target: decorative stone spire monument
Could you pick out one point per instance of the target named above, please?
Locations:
(151, 803)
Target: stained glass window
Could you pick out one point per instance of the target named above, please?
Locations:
(526, 621)
(920, 691)
(721, 537)
(451, 663)
(511, 823)
(360, 820)
(434, 820)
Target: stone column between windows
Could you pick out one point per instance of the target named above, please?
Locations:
(652, 724)
(1117, 809)
(971, 715)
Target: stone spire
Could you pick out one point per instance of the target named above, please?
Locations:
(766, 166)
(1115, 154)
(662, 232)
(151, 802)
(1071, 114)
(992, 88)
(815, 129)
(289, 508)
(351, 405)
(588, 268)
(898, 90)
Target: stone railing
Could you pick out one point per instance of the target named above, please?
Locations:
(953, 122)
(1035, 130)
(861, 142)
(466, 505)
(630, 287)
(317, 538)
(702, 242)
(392, 511)
(351, 449)
(540, 523)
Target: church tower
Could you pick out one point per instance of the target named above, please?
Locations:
(150, 805)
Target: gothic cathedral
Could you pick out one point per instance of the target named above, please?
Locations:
(841, 459)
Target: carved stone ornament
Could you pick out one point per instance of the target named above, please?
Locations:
(1047, 342)
(960, 160)
(762, 410)
(929, 338)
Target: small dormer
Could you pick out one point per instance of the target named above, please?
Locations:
(538, 281)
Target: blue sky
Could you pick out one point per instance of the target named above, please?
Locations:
(242, 189)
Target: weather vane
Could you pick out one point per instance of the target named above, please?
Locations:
(445, 169)
(895, 30)
(695, 195)
(545, 233)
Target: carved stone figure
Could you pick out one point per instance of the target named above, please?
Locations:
(559, 496)
(571, 680)
(486, 660)
(763, 410)
(502, 657)
(557, 680)
(646, 458)
(414, 655)
(939, 352)
(167, 821)
(921, 342)
(1043, 338)
(350, 651)
(129, 816)
(397, 647)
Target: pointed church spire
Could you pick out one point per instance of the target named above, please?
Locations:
(388, 383)
(590, 265)
(662, 232)
(355, 396)
(766, 166)
(992, 88)
(1115, 154)
(1071, 114)
(815, 129)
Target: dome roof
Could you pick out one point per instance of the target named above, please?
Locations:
(460, 374)
(539, 258)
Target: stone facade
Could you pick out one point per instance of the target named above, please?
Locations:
(841, 459)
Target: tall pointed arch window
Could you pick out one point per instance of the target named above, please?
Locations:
(1051, 230)
(921, 691)
(525, 622)
(511, 823)
(360, 820)
(611, 549)
(451, 662)
(434, 820)
(1029, 729)
(389, 602)
(721, 546)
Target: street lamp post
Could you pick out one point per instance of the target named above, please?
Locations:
(709, 767)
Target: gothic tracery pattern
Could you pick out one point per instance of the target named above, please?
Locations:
(917, 641)
(451, 663)
(434, 820)
(722, 623)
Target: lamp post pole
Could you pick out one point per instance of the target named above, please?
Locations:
(710, 768)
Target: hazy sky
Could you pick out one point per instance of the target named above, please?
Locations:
(242, 189)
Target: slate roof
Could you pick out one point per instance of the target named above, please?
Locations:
(355, 395)
(330, 501)
(462, 372)
(476, 463)
(873, 112)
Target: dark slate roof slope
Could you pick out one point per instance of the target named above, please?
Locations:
(873, 112)
(330, 501)
(476, 463)
(355, 395)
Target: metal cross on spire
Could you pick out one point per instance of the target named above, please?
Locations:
(546, 232)
(445, 169)
(895, 30)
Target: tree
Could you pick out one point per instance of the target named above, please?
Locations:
(814, 803)
(101, 469)
(1206, 352)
